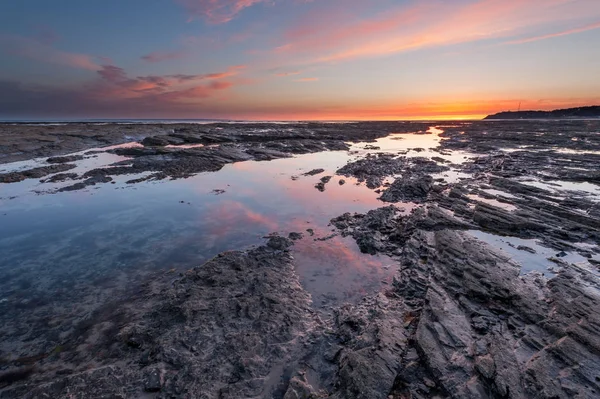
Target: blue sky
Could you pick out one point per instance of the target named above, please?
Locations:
(295, 59)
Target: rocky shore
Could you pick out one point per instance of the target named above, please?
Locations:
(461, 319)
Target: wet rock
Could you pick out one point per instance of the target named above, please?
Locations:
(371, 231)
(314, 172)
(480, 330)
(321, 185)
(373, 342)
(91, 181)
(65, 159)
(326, 238)
(153, 380)
(60, 177)
(14, 375)
(501, 221)
(162, 141)
(279, 243)
(182, 163)
(299, 388)
(35, 173)
(412, 188)
(294, 236)
(374, 168)
(526, 249)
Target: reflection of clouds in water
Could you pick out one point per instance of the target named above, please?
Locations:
(260, 197)
(336, 270)
(233, 215)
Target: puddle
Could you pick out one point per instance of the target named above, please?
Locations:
(574, 152)
(58, 240)
(499, 193)
(558, 186)
(493, 202)
(538, 261)
(412, 145)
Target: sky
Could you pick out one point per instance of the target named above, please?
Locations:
(296, 59)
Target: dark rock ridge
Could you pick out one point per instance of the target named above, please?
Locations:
(473, 327)
(35, 173)
(21, 141)
(408, 188)
(579, 112)
(374, 169)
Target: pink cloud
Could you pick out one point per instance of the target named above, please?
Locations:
(216, 11)
(160, 56)
(307, 80)
(35, 50)
(290, 73)
(115, 83)
(556, 34)
(423, 24)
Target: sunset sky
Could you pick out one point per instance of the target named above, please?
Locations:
(295, 59)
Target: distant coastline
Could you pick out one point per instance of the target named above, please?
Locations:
(567, 113)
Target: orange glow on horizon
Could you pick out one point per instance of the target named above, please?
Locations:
(467, 110)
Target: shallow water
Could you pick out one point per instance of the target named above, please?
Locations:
(590, 190)
(540, 261)
(181, 223)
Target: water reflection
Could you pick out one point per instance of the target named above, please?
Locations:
(425, 144)
(530, 254)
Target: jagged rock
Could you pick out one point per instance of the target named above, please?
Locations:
(412, 188)
(295, 236)
(65, 159)
(314, 172)
(35, 173)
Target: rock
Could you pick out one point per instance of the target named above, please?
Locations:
(342, 182)
(373, 169)
(321, 185)
(373, 340)
(35, 173)
(412, 188)
(162, 141)
(60, 177)
(294, 236)
(279, 243)
(480, 330)
(65, 159)
(526, 249)
(91, 181)
(372, 147)
(153, 380)
(299, 388)
(314, 172)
